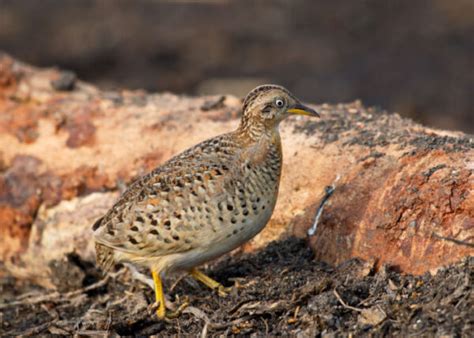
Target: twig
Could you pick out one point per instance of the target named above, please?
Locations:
(32, 331)
(204, 330)
(28, 295)
(201, 315)
(140, 276)
(208, 324)
(266, 326)
(179, 279)
(56, 295)
(454, 240)
(220, 326)
(294, 319)
(344, 303)
(329, 190)
(92, 333)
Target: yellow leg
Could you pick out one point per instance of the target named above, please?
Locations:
(209, 282)
(160, 296)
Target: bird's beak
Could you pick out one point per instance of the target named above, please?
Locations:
(299, 109)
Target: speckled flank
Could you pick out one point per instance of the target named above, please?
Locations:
(205, 201)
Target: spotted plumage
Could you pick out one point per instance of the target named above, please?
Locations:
(205, 201)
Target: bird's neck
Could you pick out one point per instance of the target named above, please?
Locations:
(257, 132)
(261, 144)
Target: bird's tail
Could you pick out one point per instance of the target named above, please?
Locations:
(104, 257)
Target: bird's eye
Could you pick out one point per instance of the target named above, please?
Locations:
(279, 103)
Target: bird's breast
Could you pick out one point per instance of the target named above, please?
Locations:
(242, 212)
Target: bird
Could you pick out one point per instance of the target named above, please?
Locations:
(205, 201)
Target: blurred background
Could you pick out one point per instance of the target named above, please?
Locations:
(413, 57)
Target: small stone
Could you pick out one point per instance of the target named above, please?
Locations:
(65, 82)
(372, 316)
(214, 104)
(392, 285)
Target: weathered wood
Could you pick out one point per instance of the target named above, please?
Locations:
(403, 195)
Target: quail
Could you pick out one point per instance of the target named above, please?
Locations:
(204, 202)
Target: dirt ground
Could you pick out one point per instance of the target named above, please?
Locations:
(279, 290)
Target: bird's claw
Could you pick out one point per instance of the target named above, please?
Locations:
(223, 291)
(176, 313)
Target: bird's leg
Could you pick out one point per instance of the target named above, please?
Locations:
(160, 298)
(209, 282)
(159, 295)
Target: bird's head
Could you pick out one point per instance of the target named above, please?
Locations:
(267, 105)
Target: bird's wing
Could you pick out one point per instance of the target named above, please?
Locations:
(165, 211)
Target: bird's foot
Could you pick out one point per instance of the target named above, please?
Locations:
(211, 283)
(161, 311)
(176, 313)
(174, 309)
(223, 291)
(170, 310)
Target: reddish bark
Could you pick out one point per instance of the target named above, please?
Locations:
(404, 196)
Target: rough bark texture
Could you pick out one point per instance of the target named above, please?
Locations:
(403, 192)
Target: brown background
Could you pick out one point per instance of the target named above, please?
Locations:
(414, 57)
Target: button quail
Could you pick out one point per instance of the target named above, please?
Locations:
(205, 201)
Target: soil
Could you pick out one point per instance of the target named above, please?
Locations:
(374, 127)
(278, 290)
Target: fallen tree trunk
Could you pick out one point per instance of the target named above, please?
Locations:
(403, 192)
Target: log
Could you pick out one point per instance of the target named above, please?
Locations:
(403, 192)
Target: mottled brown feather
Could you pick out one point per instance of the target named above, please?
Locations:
(203, 202)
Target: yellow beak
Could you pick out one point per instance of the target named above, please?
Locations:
(299, 109)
